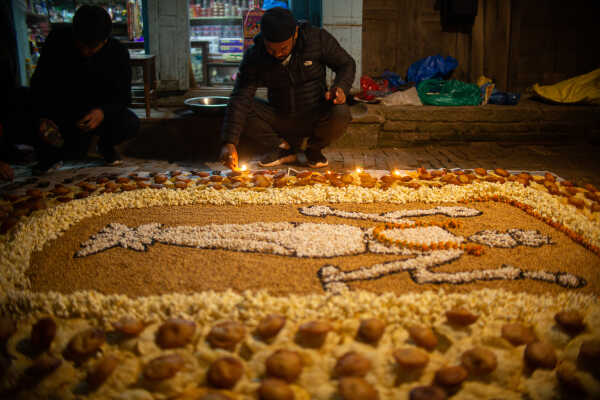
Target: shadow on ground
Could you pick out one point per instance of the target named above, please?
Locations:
(189, 136)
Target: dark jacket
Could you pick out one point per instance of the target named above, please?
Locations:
(66, 85)
(293, 89)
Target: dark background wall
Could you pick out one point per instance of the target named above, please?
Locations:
(515, 42)
(8, 49)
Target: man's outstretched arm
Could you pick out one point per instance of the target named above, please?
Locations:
(338, 59)
(237, 111)
(240, 103)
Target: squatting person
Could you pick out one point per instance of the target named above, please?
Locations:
(82, 86)
(290, 60)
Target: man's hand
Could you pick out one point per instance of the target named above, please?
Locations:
(6, 172)
(45, 125)
(50, 134)
(92, 120)
(336, 94)
(229, 156)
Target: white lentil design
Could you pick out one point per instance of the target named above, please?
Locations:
(511, 238)
(327, 240)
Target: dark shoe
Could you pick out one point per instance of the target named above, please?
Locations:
(45, 166)
(111, 156)
(278, 157)
(315, 158)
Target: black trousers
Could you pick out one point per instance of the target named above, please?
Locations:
(114, 129)
(321, 126)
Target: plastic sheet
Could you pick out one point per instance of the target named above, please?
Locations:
(274, 3)
(436, 92)
(580, 89)
(431, 67)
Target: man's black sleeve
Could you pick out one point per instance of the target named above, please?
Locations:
(338, 59)
(118, 97)
(44, 77)
(240, 102)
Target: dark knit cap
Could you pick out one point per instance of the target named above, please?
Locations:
(91, 24)
(277, 24)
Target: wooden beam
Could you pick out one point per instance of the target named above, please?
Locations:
(515, 41)
(477, 43)
(497, 41)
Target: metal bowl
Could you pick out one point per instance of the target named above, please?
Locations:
(207, 104)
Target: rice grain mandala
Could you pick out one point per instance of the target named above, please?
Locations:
(205, 284)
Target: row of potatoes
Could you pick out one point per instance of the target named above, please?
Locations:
(549, 356)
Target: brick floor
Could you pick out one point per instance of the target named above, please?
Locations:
(578, 162)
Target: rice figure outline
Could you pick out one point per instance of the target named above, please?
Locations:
(297, 239)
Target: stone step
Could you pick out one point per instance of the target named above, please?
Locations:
(376, 126)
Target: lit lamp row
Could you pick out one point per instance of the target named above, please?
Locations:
(358, 170)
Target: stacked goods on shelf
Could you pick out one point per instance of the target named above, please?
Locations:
(252, 26)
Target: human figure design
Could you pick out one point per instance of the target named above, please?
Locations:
(320, 240)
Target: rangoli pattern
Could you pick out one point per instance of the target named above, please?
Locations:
(320, 240)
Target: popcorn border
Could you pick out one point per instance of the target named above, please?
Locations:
(32, 233)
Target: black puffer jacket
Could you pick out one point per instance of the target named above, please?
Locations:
(293, 89)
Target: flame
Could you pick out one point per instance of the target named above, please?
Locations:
(244, 168)
(396, 172)
(359, 170)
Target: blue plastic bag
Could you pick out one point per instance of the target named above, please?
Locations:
(274, 3)
(504, 98)
(431, 67)
(394, 79)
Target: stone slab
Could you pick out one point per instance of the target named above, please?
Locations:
(462, 114)
(570, 113)
(458, 127)
(359, 136)
(393, 139)
(366, 114)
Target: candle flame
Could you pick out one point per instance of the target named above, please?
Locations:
(359, 170)
(244, 168)
(396, 172)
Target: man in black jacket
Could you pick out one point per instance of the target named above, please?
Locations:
(290, 60)
(82, 86)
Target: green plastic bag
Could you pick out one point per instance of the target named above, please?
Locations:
(437, 92)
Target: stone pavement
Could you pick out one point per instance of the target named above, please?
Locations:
(577, 162)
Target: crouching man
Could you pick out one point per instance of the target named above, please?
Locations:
(82, 86)
(289, 59)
